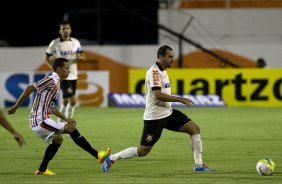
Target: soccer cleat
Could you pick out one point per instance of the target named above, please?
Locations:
(47, 172)
(204, 168)
(107, 164)
(102, 155)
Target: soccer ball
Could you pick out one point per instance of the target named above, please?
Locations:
(265, 167)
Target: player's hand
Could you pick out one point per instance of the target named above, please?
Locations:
(70, 121)
(12, 109)
(19, 139)
(187, 102)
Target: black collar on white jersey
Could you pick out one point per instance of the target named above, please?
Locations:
(160, 66)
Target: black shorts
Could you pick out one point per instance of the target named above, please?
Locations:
(68, 87)
(152, 129)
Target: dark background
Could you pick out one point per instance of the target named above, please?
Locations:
(93, 21)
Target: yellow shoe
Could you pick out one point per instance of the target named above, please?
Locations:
(102, 155)
(47, 172)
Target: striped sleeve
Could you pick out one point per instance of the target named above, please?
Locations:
(45, 83)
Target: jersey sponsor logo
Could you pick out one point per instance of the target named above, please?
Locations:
(156, 80)
(67, 52)
(138, 100)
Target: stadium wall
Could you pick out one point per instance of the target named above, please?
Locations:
(248, 34)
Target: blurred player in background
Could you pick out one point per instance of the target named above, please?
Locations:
(7, 125)
(159, 115)
(261, 63)
(66, 47)
(51, 131)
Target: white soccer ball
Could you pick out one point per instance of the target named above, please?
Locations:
(265, 167)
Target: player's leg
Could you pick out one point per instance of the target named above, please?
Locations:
(69, 100)
(71, 90)
(194, 131)
(63, 107)
(127, 153)
(70, 106)
(64, 87)
(49, 130)
(151, 133)
(50, 152)
(84, 144)
(191, 128)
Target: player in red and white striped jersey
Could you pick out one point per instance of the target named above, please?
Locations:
(44, 105)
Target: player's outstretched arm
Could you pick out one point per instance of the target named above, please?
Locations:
(57, 113)
(169, 98)
(21, 99)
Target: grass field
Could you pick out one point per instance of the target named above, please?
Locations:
(234, 139)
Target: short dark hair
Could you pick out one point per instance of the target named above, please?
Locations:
(64, 22)
(162, 50)
(59, 63)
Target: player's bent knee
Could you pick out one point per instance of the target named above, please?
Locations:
(58, 139)
(190, 128)
(69, 128)
(197, 128)
(194, 128)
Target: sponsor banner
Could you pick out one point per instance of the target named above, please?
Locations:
(138, 100)
(92, 87)
(236, 87)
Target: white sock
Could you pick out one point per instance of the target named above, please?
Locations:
(62, 110)
(124, 154)
(69, 111)
(197, 148)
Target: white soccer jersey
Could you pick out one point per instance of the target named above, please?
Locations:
(68, 50)
(156, 79)
(45, 99)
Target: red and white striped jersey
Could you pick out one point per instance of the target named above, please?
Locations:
(48, 90)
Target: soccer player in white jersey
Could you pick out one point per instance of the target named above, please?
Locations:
(40, 120)
(66, 47)
(159, 115)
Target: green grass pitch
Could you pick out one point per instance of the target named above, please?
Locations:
(234, 139)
